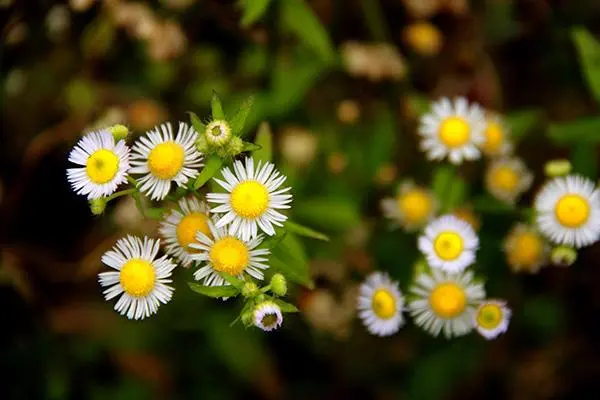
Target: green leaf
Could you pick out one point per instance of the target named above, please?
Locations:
(442, 178)
(583, 158)
(289, 258)
(239, 119)
(248, 146)
(327, 213)
(155, 213)
(588, 49)
(291, 81)
(264, 139)
(584, 130)
(253, 11)
(211, 167)
(217, 107)
(523, 122)
(456, 193)
(196, 123)
(487, 204)
(285, 307)
(214, 291)
(304, 231)
(299, 19)
(233, 281)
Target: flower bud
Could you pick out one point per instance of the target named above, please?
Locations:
(119, 132)
(97, 206)
(249, 289)
(202, 144)
(278, 285)
(563, 256)
(556, 168)
(218, 133)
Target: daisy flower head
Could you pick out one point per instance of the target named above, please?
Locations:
(445, 302)
(525, 249)
(180, 226)
(449, 243)
(140, 278)
(252, 199)
(413, 206)
(162, 158)
(104, 165)
(568, 211)
(222, 252)
(267, 316)
(496, 137)
(452, 129)
(492, 318)
(380, 304)
(507, 178)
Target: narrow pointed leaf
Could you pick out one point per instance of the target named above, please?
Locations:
(264, 139)
(588, 49)
(251, 147)
(196, 123)
(233, 281)
(217, 107)
(253, 11)
(304, 231)
(214, 291)
(285, 307)
(238, 121)
(211, 167)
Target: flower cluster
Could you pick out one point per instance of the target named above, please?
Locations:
(446, 296)
(224, 241)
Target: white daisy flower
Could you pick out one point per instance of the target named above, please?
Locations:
(267, 316)
(105, 165)
(496, 137)
(445, 302)
(380, 305)
(413, 206)
(525, 249)
(492, 318)
(453, 130)
(180, 226)
(162, 159)
(222, 252)
(141, 279)
(252, 200)
(568, 211)
(449, 243)
(507, 178)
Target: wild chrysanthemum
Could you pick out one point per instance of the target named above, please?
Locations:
(161, 159)
(380, 305)
(180, 226)
(105, 165)
(492, 318)
(445, 302)
(449, 244)
(526, 250)
(267, 316)
(568, 211)
(496, 137)
(141, 279)
(252, 199)
(413, 206)
(452, 129)
(222, 252)
(507, 179)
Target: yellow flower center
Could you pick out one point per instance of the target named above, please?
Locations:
(102, 166)
(455, 132)
(269, 320)
(166, 160)
(384, 304)
(250, 199)
(415, 205)
(494, 138)
(229, 255)
(489, 316)
(572, 210)
(448, 300)
(527, 250)
(187, 228)
(137, 277)
(448, 245)
(505, 178)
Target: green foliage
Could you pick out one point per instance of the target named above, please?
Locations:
(216, 107)
(264, 141)
(584, 130)
(588, 49)
(253, 10)
(304, 231)
(211, 166)
(327, 213)
(214, 291)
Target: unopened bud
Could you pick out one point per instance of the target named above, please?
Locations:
(249, 289)
(563, 256)
(556, 168)
(97, 206)
(119, 132)
(218, 133)
(278, 285)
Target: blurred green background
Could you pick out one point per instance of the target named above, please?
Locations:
(343, 111)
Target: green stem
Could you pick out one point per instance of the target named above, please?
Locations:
(375, 21)
(121, 193)
(138, 203)
(265, 289)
